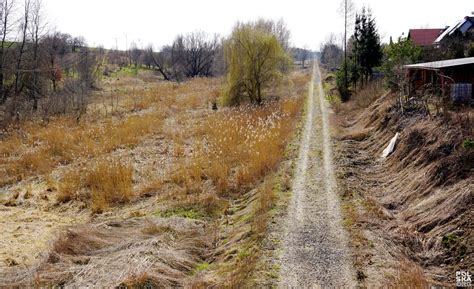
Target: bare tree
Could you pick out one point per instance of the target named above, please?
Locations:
(36, 32)
(346, 9)
(30, 60)
(178, 58)
(279, 29)
(304, 55)
(56, 45)
(331, 52)
(77, 43)
(159, 61)
(199, 53)
(22, 45)
(135, 54)
(148, 56)
(6, 24)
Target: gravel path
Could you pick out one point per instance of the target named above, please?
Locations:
(315, 250)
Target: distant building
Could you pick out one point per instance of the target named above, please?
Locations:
(463, 28)
(424, 37)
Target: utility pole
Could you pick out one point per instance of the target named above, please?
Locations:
(346, 9)
(345, 44)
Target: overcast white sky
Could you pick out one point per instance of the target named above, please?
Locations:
(101, 22)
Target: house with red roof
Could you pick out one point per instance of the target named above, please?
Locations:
(424, 37)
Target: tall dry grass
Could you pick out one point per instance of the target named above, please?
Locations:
(108, 182)
(361, 98)
(246, 143)
(366, 95)
(36, 148)
(236, 148)
(39, 149)
(410, 275)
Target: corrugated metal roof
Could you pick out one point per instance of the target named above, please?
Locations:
(442, 64)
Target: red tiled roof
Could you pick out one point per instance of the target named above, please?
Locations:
(424, 37)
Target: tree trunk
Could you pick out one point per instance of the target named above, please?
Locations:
(165, 76)
(259, 94)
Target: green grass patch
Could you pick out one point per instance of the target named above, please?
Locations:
(333, 99)
(449, 240)
(179, 212)
(131, 71)
(468, 143)
(200, 267)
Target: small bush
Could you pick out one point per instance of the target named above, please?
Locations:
(468, 143)
(342, 83)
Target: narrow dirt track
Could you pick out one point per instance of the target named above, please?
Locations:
(315, 251)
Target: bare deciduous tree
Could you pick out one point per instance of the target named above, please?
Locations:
(135, 54)
(6, 24)
(346, 9)
(148, 56)
(279, 29)
(36, 33)
(21, 46)
(199, 52)
(32, 64)
(159, 61)
(77, 43)
(331, 53)
(303, 54)
(55, 45)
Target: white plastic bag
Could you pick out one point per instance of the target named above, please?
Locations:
(391, 146)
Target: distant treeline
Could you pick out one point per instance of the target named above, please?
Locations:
(44, 72)
(196, 54)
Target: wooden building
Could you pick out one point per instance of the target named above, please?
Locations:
(455, 75)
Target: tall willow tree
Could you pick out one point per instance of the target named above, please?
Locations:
(255, 59)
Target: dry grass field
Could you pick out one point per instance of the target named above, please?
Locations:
(150, 186)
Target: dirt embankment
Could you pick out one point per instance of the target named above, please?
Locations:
(410, 215)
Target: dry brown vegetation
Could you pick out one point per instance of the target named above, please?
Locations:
(146, 154)
(409, 215)
(104, 183)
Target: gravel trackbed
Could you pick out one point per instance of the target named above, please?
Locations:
(315, 250)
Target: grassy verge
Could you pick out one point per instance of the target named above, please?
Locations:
(246, 257)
